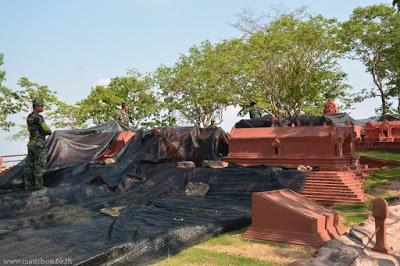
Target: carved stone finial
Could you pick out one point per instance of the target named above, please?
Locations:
(380, 213)
(330, 108)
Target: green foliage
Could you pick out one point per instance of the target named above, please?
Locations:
(28, 91)
(65, 116)
(195, 87)
(13, 102)
(8, 105)
(290, 67)
(103, 102)
(371, 35)
(397, 3)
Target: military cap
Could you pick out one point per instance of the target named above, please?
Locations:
(37, 102)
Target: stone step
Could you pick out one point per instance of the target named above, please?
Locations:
(333, 202)
(334, 198)
(333, 187)
(338, 182)
(328, 192)
(332, 180)
(332, 177)
(330, 183)
(333, 173)
(336, 189)
(332, 194)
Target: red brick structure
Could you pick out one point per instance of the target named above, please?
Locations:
(286, 216)
(323, 147)
(330, 108)
(117, 144)
(1, 165)
(3, 169)
(382, 136)
(328, 149)
(385, 131)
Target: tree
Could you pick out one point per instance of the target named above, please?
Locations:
(13, 102)
(397, 3)
(195, 87)
(24, 95)
(8, 104)
(370, 36)
(103, 102)
(290, 67)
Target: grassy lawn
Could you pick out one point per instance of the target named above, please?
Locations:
(392, 156)
(232, 249)
(384, 183)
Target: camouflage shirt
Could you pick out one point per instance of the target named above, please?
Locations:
(123, 117)
(255, 112)
(34, 122)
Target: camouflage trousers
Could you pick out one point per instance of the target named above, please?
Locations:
(35, 165)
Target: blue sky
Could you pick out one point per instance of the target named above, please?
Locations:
(71, 45)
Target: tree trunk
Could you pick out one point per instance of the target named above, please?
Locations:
(384, 105)
(379, 84)
(398, 103)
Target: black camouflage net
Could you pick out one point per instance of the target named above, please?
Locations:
(158, 219)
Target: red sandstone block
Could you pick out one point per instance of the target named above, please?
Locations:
(286, 216)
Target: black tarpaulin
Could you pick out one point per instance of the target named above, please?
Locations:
(158, 218)
(340, 119)
(72, 154)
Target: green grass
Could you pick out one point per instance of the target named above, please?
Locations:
(391, 156)
(232, 249)
(380, 181)
(354, 213)
(376, 184)
(197, 256)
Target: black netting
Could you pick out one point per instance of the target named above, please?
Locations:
(64, 220)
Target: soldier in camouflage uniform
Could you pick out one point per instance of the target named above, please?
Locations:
(212, 125)
(123, 115)
(254, 111)
(37, 153)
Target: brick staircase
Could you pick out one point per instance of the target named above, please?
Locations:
(330, 187)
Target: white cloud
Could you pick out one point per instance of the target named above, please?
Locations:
(230, 117)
